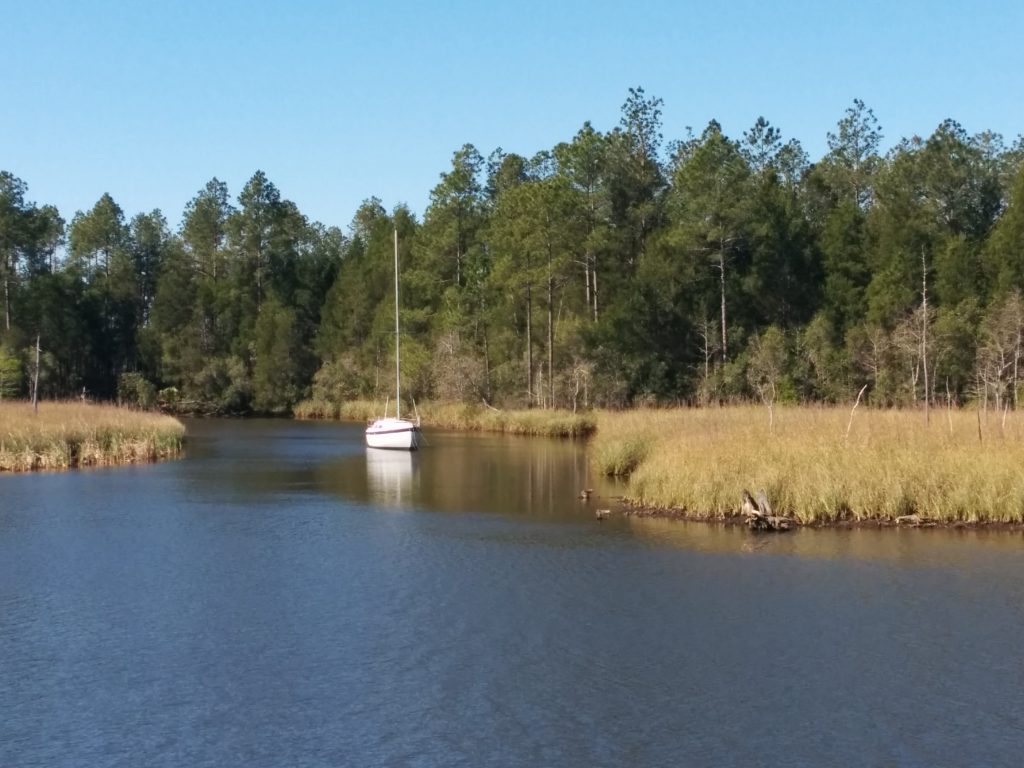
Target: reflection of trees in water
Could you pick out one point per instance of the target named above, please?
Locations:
(471, 473)
(531, 476)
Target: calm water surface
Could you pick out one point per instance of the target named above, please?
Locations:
(281, 597)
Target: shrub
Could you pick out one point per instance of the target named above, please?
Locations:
(134, 390)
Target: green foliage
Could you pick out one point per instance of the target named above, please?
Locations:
(609, 270)
(169, 397)
(536, 231)
(223, 385)
(768, 363)
(134, 390)
(339, 380)
(10, 374)
(1004, 249)
(820, 367)
(844, 258)
(275, 383)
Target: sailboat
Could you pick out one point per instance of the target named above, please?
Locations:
(394, 432)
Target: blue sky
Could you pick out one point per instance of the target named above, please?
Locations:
(340, 101)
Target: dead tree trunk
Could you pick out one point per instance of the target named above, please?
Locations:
(35, 383)
(760, 516)
(551, 333)
(924, 333)
(721, 282)
(529, 336)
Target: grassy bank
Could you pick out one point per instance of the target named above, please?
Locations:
(76, 434)
(463, 417)
(960, 468)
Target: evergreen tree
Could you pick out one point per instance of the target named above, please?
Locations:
(709, 215)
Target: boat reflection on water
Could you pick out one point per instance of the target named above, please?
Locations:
(391, 476)
(471, 472)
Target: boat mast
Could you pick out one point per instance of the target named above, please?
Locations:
(398, 367)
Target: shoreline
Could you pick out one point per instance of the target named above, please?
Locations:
(634, 509)
(462, 417)
(690, 466)
(822, 467)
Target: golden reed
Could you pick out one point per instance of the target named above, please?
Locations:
(820, 465)
(74, 434)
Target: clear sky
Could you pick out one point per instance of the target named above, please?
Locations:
(340, 101)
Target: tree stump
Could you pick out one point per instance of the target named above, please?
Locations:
(759, 514)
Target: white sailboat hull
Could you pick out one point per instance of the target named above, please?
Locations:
(395, 434)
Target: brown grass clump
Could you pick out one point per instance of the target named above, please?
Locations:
(478, 418)
(350, 410)
(957, 469)
(74, 434)
(315, 408)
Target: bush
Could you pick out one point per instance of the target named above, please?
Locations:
(169, 397)
(338, 380)
(133, 389)
(10, 375)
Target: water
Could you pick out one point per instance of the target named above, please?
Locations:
(280, 598)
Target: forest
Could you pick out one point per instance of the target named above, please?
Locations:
(616, 268)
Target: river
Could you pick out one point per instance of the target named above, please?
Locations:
(279, 597)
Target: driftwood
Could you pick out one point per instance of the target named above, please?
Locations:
(914, 521)
(760, 516)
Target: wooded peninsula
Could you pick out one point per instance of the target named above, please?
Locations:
(617, 268)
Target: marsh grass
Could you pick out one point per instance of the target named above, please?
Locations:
(544, 423)
(72, 434)
(960, 468)
(462, 417)
(350, 410)
(315, 408)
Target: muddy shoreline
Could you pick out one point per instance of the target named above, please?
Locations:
(629, 508)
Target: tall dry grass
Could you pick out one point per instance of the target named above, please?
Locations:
(958, 468)
(350, 410)
(479, 418)
(462, 417)
(71, 434)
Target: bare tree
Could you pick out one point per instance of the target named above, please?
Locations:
(999, 355)
(708, 348)
(870, 349)
(768, 359)
(910, 343)
(924, 332)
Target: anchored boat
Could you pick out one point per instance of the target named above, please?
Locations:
(393, 431)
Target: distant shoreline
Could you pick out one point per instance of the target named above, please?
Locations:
(635, 510)
(461, 417)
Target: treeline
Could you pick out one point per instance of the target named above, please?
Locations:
(612, 269)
